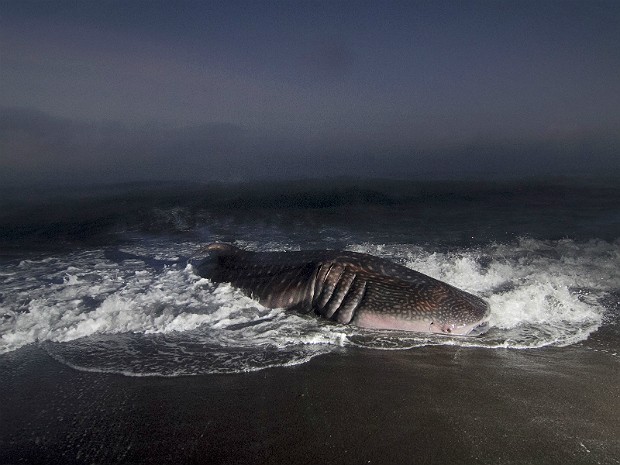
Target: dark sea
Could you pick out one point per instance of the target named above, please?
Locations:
(95, 282)
(99, 278)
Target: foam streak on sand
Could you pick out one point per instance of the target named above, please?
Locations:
(136, 316)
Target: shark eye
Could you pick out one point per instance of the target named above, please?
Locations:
(448, 330)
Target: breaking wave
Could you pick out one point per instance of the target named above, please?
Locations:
(139, 310)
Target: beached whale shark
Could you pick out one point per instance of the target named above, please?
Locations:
(347, 287)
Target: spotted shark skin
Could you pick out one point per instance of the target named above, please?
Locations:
(347, 287)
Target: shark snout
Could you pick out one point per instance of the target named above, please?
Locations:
(479, 329)
(455, 329)
(473, 327)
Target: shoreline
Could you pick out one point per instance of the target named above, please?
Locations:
(424, 406)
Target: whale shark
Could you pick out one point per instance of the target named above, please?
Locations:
(346, 287)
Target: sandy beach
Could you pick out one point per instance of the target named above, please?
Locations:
(423, 406)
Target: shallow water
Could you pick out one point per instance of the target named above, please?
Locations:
(130, 304)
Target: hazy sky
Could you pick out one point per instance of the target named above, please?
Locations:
(99, 91)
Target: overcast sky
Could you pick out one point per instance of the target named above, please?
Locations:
(105, 91)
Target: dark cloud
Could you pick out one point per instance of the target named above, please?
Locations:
(142, 90)
(36, 148)
(331, 59)
(480, 68)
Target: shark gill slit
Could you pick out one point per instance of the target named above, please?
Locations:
(341, 289)
(333, 280)
(352, 301)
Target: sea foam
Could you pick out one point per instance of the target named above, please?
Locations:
(137, 316)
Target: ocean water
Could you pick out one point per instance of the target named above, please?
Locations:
(100, 279)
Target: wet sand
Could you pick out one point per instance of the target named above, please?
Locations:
(443, 405)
